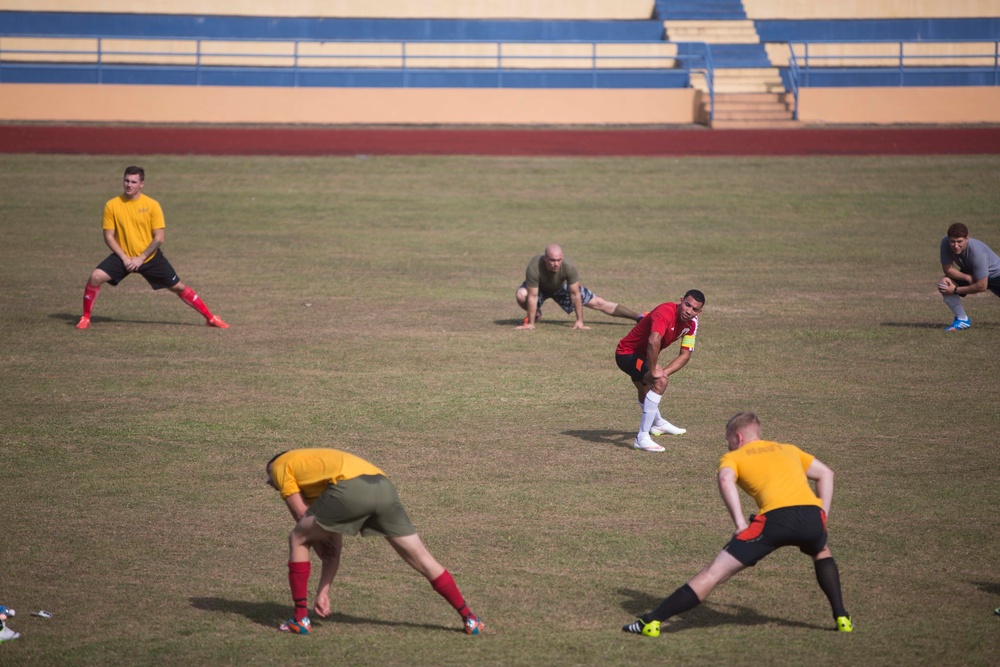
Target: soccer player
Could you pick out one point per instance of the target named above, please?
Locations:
(638, 356)
(330, 494)
(790, 514)
(552, 276)
(6, 634)
(970, 267)
(134, 230)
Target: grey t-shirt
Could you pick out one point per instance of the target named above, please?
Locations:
(978, 260)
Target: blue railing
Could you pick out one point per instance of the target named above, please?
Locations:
(195, 60)
(899, 68)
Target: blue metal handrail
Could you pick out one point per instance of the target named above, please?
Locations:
(799, 74)
(297, 60)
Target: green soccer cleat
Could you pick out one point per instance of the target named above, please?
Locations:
(844, 624)
(640, 627)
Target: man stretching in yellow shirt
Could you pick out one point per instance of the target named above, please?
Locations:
(790, 514)
(134, 230)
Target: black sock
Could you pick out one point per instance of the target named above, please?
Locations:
(828, 577)
(680, 601)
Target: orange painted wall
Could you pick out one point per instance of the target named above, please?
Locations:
(421, 106)
(888, 106)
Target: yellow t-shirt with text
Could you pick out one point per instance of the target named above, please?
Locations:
(773, 474)
(310, 471)
(133, 221)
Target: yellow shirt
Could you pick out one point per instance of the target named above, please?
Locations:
(774, 475)
(133, 221)
(310, 471)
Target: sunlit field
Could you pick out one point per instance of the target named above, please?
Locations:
(371, 304)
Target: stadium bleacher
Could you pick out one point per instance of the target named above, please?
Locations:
(747, 60)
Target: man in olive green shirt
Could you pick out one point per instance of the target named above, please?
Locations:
(553, 276)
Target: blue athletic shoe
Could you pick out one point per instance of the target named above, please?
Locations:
(958, 325)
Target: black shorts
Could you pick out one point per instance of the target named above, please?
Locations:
(993, 285)
(634, 365)
(802, 526)
(157, 271)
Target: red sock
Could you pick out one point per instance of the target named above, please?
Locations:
(89, 296)
(298, 581)
(189, 297)
(447, 588)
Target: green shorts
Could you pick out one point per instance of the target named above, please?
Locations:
(367, 504)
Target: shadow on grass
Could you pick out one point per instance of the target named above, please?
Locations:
(991, 587)
(935, 325)
(566, 323)
(708, 615)
(270, 614)
(613, 438)
(70, 318)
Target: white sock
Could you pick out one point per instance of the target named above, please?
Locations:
(954, 302)
(650, 408)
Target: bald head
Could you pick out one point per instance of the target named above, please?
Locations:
(553, 257)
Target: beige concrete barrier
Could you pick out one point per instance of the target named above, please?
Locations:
(344, 106)
(896, 106)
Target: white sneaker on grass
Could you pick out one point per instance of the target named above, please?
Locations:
(6, 634)
(646, 444)
(666, 428)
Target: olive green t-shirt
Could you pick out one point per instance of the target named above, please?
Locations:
(538, 275)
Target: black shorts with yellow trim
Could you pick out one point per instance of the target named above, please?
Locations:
(157, 271)
(802, 526)
(633, 365)
(367, 504)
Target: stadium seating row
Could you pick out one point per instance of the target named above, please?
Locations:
(341, 54)
(612, 10)
(615, 10)
(869, 9)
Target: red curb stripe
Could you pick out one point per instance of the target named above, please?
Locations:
(107, 140)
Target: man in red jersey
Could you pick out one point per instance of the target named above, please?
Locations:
(638, 356)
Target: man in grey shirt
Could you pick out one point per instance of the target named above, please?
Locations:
(553, 276)
(970, 267)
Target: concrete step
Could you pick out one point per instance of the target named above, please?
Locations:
(745, 88)
(713, 32)
(766, 98)
(756, 115)
(755, 125)
(750, 107)
(710, 24)
(747, 73)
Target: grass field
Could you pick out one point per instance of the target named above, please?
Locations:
(371, 304)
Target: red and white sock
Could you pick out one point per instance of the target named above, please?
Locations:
(298, 581)
(189, 297)
(89, 296)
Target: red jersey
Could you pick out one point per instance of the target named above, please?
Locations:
(665, 320)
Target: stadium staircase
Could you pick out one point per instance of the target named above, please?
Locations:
(749, 92)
